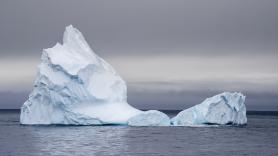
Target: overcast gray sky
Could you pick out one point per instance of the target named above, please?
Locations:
(173, 54)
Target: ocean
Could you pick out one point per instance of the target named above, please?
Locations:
(258, 138)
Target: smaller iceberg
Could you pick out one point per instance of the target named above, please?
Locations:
(222, 109)
(149, 118)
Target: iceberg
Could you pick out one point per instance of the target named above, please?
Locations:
(221, 109)
(75, 86)
(149, 118)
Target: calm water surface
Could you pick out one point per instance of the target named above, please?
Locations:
(258, 138)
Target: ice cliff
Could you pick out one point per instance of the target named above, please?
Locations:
(221, 109)
(76, 86)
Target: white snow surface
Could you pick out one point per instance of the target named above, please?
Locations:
(150, 118)
(75, 86)
(221, 109)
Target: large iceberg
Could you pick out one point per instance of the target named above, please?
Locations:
(221, 109)
(75, 86)
(149, 118)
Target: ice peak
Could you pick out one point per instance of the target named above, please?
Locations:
(74, 38)
(74, 54)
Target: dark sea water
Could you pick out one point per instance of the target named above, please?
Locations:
(258, 138)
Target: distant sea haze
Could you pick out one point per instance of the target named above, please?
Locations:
(171, 113)
(160, 100)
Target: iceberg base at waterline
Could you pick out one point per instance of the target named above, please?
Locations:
(149, 118)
